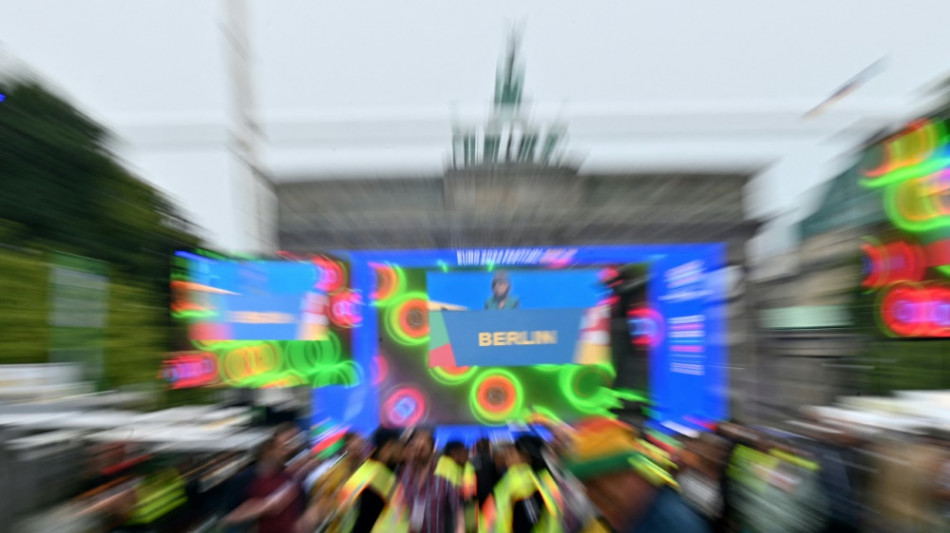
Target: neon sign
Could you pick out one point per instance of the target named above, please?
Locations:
(190, 369)
(920, 150)
(892, 262)
(404, 407)
(920, 204)
(915, 310)
(912, 169)
(332, 274)
(588, 387)
(646, 326)
(346, 308)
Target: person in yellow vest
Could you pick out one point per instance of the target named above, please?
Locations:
(525, 500)
(371, 500)
(449, 493)
(469, 496)
(324, 495)
(157, 495)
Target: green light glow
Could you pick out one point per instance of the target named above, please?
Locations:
(320, 362)
(194, 314)
(249, 362)
(892, 206)
(629, 395)
(216, 346)
(545, 412)
(447, 378)
(587, 387)
(343, 373)
(919, 170)
(306, 356)
(257, 364)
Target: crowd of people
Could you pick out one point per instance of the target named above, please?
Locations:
(596, 475)
(601, 475)
(577, 479)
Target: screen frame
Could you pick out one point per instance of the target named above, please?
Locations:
(675, 397)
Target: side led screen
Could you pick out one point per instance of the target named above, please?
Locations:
(517, 317)
(263, 323)
(254, 300)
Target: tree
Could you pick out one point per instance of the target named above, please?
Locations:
(62, 189)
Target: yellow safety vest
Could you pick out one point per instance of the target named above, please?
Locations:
(463, 479)
(518, 484)
(158, 495)
(376, 476)
(448, 469)
(468, 481)
(469, 492)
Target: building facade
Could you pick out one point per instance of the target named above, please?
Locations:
(512, 182)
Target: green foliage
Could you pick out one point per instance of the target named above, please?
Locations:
(62, 190)
(136, 336)
(24, 316)
(908, 364)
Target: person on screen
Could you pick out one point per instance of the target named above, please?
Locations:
(501, 297)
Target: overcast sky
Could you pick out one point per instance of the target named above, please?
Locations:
(164, 56)
(616, 70)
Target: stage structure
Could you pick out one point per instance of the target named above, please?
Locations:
(463, 340)
(442, 348)
(256, 323)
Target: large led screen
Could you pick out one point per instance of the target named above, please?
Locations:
(489, 345)
(484, 337)
(475, 337)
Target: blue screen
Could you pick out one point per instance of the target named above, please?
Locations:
(684, 313)
(256, 300)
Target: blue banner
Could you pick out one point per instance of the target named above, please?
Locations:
(687, 371)
(274, 316)
(514, 337)
(253, 300)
